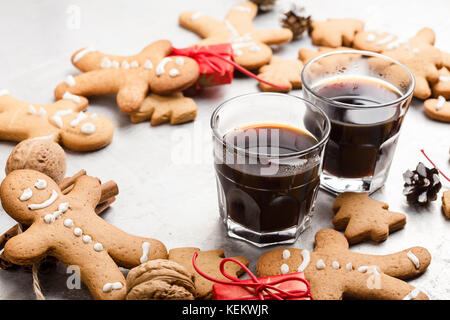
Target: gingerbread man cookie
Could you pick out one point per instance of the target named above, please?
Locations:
(175, 109)
(335, 32)
(283, 72)
(446, 203)
(334, 272)
(62, 121)
(130, 77)
(442, 87)
(422, 58)
(437, 109)
(208, 262)
(67, 228)
(250, 45)
(375, 41)
(363, 218)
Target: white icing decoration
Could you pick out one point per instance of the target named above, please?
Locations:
(349, 266)
(67, 95)
(42, 112)
(286, 254)
(63, 207)
(335, 265)
(414, 259)
(230, 27)
(393, 45)
(179, 61)
(370, 37)
(31, 109)
(306, 260)
(197, 15)
(80, 117)
(68, 223)
(49, 137)
(412, 295)
(125, 64)
(88, 128)
(385, 40)
(148, 64)
(46, 203)
(70, 80)
(284, 268)
(174, 72)
(363, 269)
(255, 48)
(98, 247)
(444, 78)
(40, 184)
(160, 68)
(82, 53)
(26, 195)
(320, 264)
(3, 92)
(440, 103)
(238, 52)
(77, 232)
(415, 50)
(49, 218)
(57, 117)
(112, 286)
(115, 64)
(145, 249)
(94, 116)
(242, 9)
(106, 63)
(87, 239)
(134, 64)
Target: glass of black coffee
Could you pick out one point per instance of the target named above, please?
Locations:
(366, 96)
(268, 151)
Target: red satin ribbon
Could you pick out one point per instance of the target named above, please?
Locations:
(262, 290)
(432, 163)
(201, 54)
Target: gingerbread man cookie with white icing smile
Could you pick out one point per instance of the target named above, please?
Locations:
(334, 272)
(67, 228)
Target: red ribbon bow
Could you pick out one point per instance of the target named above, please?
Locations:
(262, 290)
(202, 54)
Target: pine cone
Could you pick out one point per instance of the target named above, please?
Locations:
(296, 23)
(421, 185)
(264, 5)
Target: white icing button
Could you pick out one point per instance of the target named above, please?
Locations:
(26, 194)
(87, 239)
(284, 268)
(49, 218)
(179, 61)
(98, 247)
(31, 109)
(78, 232)
(174, 72)
(134, 64)
(349, 266)
(370, 37)
(320, 264)
(335, 265)
(63, 206)
(125, 64)
(106, 63)
(42, 112)
(88, 128)
(68, 223)
(286, 254)
(148, 64)
(115, 64)
(40, 184)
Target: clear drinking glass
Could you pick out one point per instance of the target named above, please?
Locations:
(366, 96)
(268, 152)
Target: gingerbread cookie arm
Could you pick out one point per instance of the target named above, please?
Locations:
(374, 286)
(87, 188)
(329, 238)
(28, 247)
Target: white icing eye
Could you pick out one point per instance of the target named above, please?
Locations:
(174, 72)
(40, 184)
(286, 254)
(179, 61)
(88, 128)
(284, 268)
(26, 195)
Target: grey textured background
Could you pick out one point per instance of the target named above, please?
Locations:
(165, 174)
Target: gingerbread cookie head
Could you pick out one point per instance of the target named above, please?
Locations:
(130, 77)
(374, 41)
(335, 32)
(24, 193)
(442, 87)
(438, 109)
(250, 45)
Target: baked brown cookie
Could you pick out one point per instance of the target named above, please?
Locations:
(208, 262)
(363, 218)
(66, 227)
(175, 109)
(283, 72)
(446, 203)
(422, 58)
(130, 77)
(442, 87)
(334, 272)
(437, 109)
(335, 32)
(250, 46)
(374, 41)
(160, 279)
